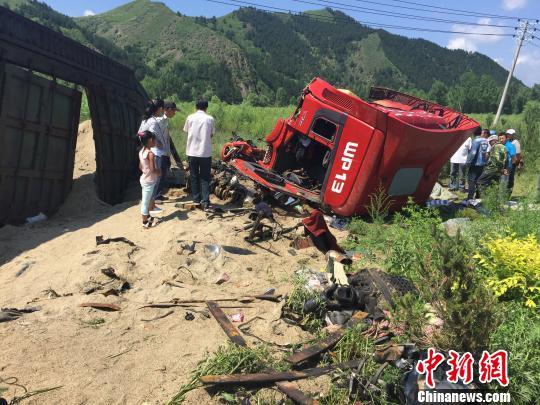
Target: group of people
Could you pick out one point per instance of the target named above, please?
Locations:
(490, 158)
(157, 147)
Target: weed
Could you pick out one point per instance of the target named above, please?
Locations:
(93, 322)
(229, 359)
(379, 205)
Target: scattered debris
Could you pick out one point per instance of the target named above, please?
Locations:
(326, 343)
(316, 228)
(24, 267)
(272, 377)
(238, 317)
(101, 306)
(212, 252)
(113, 356)
(190, 206)
(101, 241)
(158, 316)
(10, 314)
(223, 278)
(186, 247)
(229, 329)
(37, 218)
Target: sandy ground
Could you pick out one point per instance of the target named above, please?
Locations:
(124, 360)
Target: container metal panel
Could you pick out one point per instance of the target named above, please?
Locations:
(38, 133)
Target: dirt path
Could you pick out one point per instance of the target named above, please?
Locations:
(115, 357)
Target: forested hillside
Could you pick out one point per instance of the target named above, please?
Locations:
(266, 59)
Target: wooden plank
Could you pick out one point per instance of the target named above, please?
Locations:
(295, 394)
(272, 377)
(225, 323)
(324, 344)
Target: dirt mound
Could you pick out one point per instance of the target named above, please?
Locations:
(85, 153)
(83, 197)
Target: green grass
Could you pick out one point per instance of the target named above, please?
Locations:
(230, 359)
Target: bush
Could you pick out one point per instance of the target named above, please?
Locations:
(519, 334)
(512, 268)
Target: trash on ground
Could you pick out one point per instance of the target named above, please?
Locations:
(223, 278)
(238, 317)
(212, 252)
(158, 316)
(101, 241)
(10, 314)
(37, 218)
(24, 267)
(101, 306)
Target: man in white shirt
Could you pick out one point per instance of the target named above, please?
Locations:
(200, 128)
(458, 165)
(511, 134)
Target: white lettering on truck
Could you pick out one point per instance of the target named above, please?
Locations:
(346, 164)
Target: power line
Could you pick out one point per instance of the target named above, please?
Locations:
(444, 10)
(279, 10)
(367, 10)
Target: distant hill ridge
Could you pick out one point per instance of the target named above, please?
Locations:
(267, 58)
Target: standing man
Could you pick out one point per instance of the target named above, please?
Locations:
(476, 160)
(169, 110)
(511, 163)
(496, 165)
(511, 136)
(458, 165)
(200, 129)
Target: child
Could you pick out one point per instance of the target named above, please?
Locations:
(149, 177)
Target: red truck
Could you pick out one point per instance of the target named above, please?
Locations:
(336, 149)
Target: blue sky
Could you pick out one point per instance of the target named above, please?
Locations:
(500, 49)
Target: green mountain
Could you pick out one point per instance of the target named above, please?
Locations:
(266, 58)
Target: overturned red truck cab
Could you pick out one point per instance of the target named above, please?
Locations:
(336, 150)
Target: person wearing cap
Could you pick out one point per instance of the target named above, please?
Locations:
(476, 160)
(496, 164)
(200, 128)
(167, 148)
(511, 136)
(458, 166)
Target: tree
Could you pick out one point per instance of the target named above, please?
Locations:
(281, 96)
(439, 92)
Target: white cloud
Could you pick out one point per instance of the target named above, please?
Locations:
(88, 13)
(514, 4)
(528, 67)
(473, 38)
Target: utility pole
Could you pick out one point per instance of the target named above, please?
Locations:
(524, 28)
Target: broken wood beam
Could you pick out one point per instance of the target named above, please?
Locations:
(273, 377)
(326, 343)
(230, 330)
(295, 394)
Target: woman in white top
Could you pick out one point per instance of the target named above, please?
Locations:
(153, 111)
